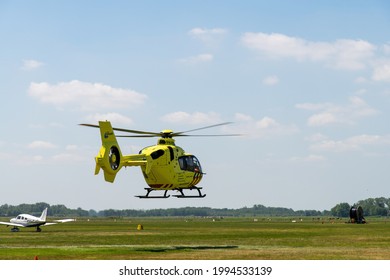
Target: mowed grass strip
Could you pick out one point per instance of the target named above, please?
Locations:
(199, 238)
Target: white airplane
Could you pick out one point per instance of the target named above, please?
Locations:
(26, 220)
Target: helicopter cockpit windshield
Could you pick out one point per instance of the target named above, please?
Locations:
(190, 163)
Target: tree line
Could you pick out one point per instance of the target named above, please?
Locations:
(371, 207)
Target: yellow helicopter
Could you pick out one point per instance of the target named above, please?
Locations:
(165, 166)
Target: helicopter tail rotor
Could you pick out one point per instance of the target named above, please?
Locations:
(110, 157)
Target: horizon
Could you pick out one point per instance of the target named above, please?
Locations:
(238, 208)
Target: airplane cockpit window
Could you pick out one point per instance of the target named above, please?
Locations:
(190, 163)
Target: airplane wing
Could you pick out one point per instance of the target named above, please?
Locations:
(48, 224)
(65, 220)
(59, 221)
(11, 224)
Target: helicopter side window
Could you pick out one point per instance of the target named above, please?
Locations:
(183, 163)
(172, 155)
(157, 154)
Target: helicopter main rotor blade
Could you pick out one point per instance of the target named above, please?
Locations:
(206, 135)
(152, 134)
(90, 125)
(161, 134)
(196, 129)
(136, 131)
(137, 136)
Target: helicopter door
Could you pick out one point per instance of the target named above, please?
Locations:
(190, 163)
(196, 165)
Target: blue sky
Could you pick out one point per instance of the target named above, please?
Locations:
(307, 84)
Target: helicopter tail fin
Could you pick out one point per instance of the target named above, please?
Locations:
(110, 156)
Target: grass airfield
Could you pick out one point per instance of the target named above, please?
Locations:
(200, 239)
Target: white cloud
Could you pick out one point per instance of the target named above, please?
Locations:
(201, 58)
(51, 154)
(382, 71)
(192, 118)
(68, 158)
(267, 123)
(317, 137)
(366, 139)
(310, 158)
(330, 114)
(342, 54)
(85, 96)
(262, 128)
(332, 145)
(386, 49)
(271, 80)
(325, 119)
(353, 143)
(242, 117)
(31, 64)
(199, 32)
(360, 80)
(211, 37)
(114, 118)
(29, 160)
(71, 148)
(41, 145)
(313, 106)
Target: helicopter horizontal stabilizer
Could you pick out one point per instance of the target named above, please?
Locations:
(109, 177)
(97, 169)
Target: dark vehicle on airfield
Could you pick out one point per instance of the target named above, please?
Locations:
(356, 215)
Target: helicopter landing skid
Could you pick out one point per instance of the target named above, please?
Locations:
(149, 190)
(182, 195)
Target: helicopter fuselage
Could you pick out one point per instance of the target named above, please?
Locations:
(171, 168)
